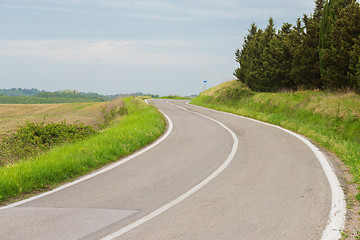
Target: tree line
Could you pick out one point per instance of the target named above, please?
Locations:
(320, 51)
(19, 92)
(35, 96)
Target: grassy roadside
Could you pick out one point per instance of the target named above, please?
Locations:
(127, 134)
(331, 120)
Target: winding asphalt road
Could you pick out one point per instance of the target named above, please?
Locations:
(222, 177)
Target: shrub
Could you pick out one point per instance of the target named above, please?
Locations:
(33, 138)
(109, 115)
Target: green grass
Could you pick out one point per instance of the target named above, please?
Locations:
(33, 138)
(129, 133)
(329, 119)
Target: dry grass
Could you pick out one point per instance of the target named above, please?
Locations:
(117, 102)
(343, 105)
(14, 115)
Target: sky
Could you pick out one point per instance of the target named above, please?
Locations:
(163, 47)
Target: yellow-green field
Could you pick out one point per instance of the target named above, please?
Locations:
(90, 113)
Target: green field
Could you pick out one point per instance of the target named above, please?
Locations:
(331, 120)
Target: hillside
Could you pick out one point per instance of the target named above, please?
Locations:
(19, 92)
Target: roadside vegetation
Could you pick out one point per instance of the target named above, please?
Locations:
(123, 130)
(33, 138)
(329, 119)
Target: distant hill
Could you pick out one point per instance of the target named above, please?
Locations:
(19, 92)
(73, 94)
(35, 96)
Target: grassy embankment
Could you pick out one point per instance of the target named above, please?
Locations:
(142, 125)
(329, 119)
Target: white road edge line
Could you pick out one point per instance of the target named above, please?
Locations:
(101, 171)
(336, 222)
(186, 194)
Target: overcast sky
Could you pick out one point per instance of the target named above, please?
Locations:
(124, 46)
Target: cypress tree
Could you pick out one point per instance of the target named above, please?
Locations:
(340, 27)
(306, 65)
(354, 62)
(358, 75)
(261, 77)
(288, 41)
(298, 68)
(253, 77)
(321, 51)
(354, 73)
(243, 56)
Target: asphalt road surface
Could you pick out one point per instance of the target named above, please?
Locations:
(231, 178)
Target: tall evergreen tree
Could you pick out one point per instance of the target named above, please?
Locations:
(358, 75)
(298, 68)
(243, 56)
(318, 11)
(336, 43)
(355, 65)
(261, 75)
(354, 62)
(306, 65)
(321, 51)
(287, 41)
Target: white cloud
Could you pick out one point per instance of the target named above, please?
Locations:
(143, 52)
(63, 50)
(168, 10)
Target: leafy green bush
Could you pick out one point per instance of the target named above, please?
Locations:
(33, 138)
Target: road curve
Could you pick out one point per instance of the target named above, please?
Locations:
(273, 187)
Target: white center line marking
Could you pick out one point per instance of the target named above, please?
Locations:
(188, 193)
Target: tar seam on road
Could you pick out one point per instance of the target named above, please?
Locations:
(336, 222)
(186, 194)
(103, 170)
